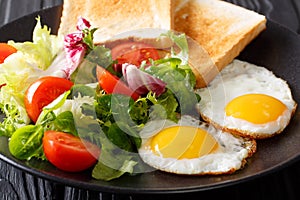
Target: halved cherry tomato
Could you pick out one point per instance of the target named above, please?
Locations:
(134, 53)
(42, 92)
(112, 84)
(69, 153)
(5, 51)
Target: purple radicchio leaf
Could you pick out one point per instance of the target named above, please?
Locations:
(75, 47)
(75, 51)
(142, 82)
(83, 24)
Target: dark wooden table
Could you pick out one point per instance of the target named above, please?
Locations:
(282, 184)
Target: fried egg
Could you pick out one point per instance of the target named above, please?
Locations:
(247, 100)
(192, 147)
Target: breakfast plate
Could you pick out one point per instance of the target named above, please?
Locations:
(276, 48)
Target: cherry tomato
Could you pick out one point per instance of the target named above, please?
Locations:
(5, 51)
(69, 153)
(112, 84)
(42, 92)
(134, 53)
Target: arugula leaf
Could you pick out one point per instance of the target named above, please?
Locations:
(63, 122)
(103, 109)
(100, 56)
(85, 73)
(113, 161)
(154, 108)
(119, 138)
(132, 134)
(106, 173)
(169, 105)
(180, 82)
(120, 104)
(113, 114)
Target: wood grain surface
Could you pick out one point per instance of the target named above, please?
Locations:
(283, 184)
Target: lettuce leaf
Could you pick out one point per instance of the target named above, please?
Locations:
(17, 74)
(181, 42)
(177, 74)
(22, 68)
(43, 48)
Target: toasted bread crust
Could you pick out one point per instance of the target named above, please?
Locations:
(112, 17)
(223, 29)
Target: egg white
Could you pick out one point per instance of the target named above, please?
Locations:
(230, 156)
(239, 78)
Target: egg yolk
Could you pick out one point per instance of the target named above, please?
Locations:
(255, 108)
(183, 142)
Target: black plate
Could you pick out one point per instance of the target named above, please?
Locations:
(276, 48)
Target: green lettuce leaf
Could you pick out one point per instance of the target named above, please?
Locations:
(17, 74)
(180, 82)
(19, 70)
(181, 42)
(43, 48)
(177, 74)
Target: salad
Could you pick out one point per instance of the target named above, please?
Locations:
(81, 106)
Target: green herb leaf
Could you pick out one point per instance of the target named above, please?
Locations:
(26, 142)
(88, 37)
(100, 56)
(63, 122)
(113, 162)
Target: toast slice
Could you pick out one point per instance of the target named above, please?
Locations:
(112, 17)
(222, 29)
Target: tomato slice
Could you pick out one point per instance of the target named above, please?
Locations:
(112, 84)
(134, 53)
(5, 51)
(69, 153)
(42, 92)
